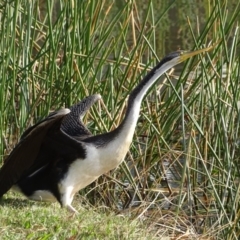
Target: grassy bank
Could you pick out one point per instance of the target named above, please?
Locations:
(22, 219)
(181, 174)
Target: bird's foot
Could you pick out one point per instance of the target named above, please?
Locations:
(72, 210)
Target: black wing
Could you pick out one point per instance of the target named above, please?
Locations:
(27, 155)
(72, 124)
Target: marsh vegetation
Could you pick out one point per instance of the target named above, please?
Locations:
(181, 175)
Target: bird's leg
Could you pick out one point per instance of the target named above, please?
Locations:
(66, 200)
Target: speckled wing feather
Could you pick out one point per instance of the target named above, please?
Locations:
(72, 123)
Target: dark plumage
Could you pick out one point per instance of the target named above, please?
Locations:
(45, 151)
(72, 123)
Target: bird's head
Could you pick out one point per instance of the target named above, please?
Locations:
(177, 57)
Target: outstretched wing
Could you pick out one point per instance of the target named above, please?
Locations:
(26, 151)
(72, 124)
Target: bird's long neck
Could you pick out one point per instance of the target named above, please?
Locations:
(115, 144)
(128, 125)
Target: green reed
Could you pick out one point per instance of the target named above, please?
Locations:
(182, 171)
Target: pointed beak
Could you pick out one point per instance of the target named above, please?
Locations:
(185, 55)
